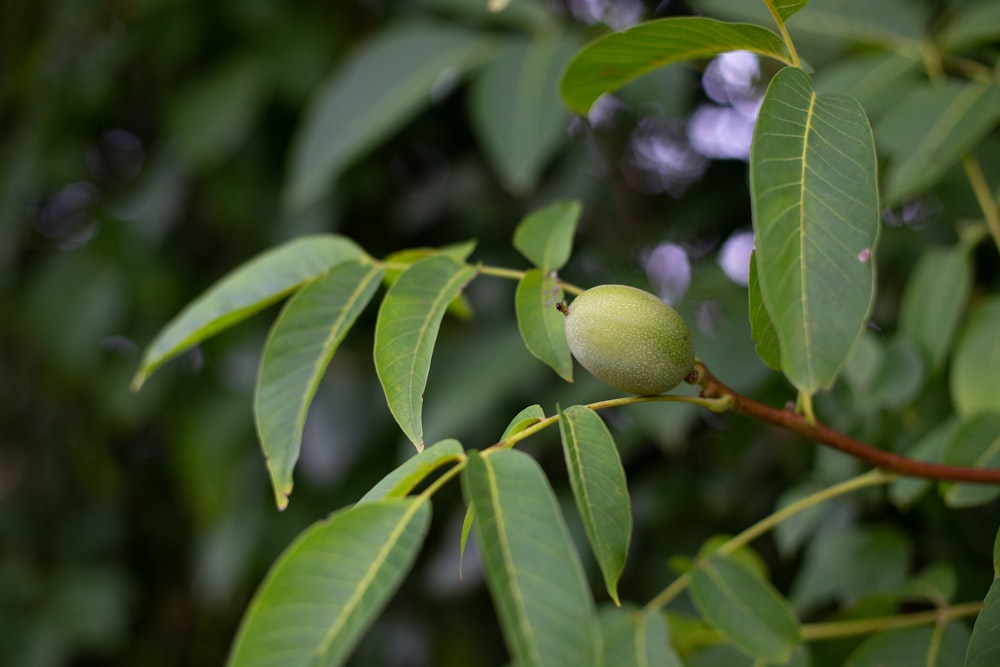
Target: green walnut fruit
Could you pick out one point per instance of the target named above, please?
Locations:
(629, 339)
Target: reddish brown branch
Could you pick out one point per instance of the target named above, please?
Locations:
(713, 388)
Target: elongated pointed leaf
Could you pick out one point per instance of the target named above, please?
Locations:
(545, 237)
(975, 443)
(934, 646)
(600, 489)
(406, 330)
(632, 638)
(975, 371)
(244, 291)
(540, 324)
(935, 298)
(527, 417)
(927, 131)
(516, 110)
(745, 608)
(415, 470)
(381, 86)
(534, 574)
(298, 350)
(608, 63)
(765, 340)
(984, 645)
(816, 220)
(330, 585)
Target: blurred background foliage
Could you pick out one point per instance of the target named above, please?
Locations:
(149, 146)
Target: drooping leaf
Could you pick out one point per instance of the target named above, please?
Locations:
(975, 443)
(935, 298)
(406, 331)
(971, 26)
(928, 130)
(633, 638)
(534, 575)
(244, 291)
(765, 340)
(816, 223)
(745, 608)
(786, 8)
(934, 646)
(330, 584)
(608, 63)
(414, 470)
(984, 645)
(516, 110)
(975, 369)
(381, 86)
(540, 324)
(905, 491)
(527, 417)
(545, 236)
(936, 583)
(600, 489)
(298, 350)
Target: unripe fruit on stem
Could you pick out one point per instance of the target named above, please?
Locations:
(629, 339)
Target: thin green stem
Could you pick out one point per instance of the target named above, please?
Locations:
(444, 478)
(784, 33)
(713, 404)
(666, 596)
(865, 626)
(486, 270)
(871, 478)
(987, 202)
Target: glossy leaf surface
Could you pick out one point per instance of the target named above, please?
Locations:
(298, 350)
(608, 63)
(816, 222)
(330, 584)
(406, 331)
(534, 574)
(244, 291)
(599, 488)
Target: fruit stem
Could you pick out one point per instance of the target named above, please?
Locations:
(711, 387)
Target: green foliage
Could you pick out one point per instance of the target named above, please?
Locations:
(874, 153)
